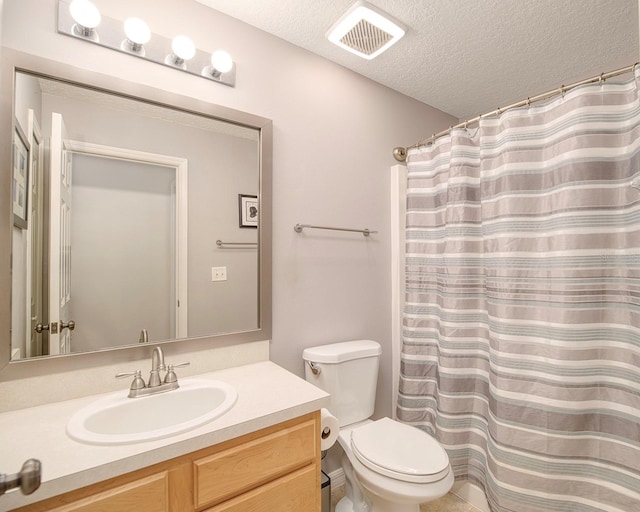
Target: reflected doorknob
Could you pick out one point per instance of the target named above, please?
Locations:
(41, 327)
(70, 324)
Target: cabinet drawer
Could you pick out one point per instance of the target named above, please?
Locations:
(149, 494)
(241, 468)
(294, 492)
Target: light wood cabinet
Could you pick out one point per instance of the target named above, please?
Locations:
(240, 468)
(150, 494)
(292, 492)
(273, 470)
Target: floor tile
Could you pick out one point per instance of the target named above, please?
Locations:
(448, 503)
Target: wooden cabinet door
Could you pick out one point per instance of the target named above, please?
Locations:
(295, 492)
(241, 468)
(149, 494)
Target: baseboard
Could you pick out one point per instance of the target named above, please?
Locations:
(472, 494)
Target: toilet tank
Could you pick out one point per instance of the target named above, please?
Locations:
(349, 372)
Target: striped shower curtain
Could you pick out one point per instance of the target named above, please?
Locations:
(521, 328)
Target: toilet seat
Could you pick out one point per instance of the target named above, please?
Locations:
(399, 451)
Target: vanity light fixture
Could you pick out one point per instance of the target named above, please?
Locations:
(366, 30)
(86, 16)
(138, 34)
(79, 19)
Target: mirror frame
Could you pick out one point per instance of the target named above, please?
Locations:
(13, 61)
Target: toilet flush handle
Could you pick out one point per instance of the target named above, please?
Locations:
(316, 370)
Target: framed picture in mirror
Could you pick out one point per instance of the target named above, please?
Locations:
(248, 206)
(20, 185)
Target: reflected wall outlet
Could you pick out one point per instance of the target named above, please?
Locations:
(218, 273)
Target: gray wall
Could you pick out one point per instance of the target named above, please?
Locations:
(333, 135)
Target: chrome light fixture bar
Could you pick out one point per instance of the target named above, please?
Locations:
(82, 20)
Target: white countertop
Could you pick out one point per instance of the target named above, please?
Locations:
(267, 395)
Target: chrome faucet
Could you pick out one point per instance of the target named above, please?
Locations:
(157, 366)
(156, 383)
(144, 336)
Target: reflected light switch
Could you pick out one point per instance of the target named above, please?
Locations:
(218, 273)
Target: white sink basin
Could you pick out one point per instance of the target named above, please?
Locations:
(118, 419)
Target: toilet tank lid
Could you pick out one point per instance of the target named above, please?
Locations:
(343, 351)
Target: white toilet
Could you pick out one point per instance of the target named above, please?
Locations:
(389, 466)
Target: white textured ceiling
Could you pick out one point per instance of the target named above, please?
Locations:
(466, 57)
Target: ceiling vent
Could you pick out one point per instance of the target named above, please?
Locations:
(365, 30)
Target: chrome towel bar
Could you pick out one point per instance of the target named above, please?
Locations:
(222, 244)
(299, 227)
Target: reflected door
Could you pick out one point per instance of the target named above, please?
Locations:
(35, 304)
(59, 240)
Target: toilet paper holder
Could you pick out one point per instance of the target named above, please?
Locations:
(329, 429)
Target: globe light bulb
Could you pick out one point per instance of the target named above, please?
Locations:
(183, 47)
(86, 16)
(85, 13)
(221, 61)
(137, 31)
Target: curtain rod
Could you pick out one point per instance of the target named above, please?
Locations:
(400, 153)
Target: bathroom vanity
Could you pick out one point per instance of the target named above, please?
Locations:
(262, 455)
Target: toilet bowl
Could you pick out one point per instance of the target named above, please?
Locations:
(389, 466)
(396, 466)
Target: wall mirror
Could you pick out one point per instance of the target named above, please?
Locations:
(137, 216)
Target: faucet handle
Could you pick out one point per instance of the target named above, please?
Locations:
(138, 381)
(171, 376)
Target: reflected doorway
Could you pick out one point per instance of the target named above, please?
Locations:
(117, 249)
(123, 237)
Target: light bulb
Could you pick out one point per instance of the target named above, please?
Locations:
(221, 61)
(137, 31)
(86, 16)
(183, 47)
(85, 13)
